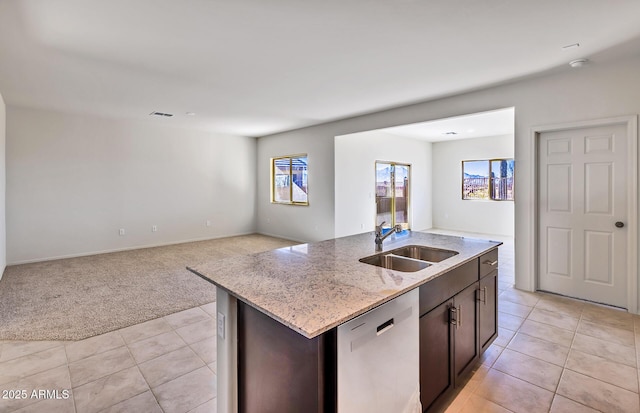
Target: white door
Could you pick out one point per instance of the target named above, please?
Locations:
(582, 207)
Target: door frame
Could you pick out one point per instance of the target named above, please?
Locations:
(631, 123)
(393, 200)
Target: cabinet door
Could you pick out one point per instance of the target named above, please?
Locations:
(488, 300)
(279, 370)
(436, 376)
(466, 348)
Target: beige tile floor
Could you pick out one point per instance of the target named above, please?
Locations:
(163, 365)
(552, 355)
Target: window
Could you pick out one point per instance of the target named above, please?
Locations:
(489, 179)
(392, 194)
(289, 180)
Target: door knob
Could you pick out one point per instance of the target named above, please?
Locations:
(619, 224)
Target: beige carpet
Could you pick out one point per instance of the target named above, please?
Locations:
(76, 298)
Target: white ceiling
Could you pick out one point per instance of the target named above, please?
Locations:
(478, 125)
(255, 67)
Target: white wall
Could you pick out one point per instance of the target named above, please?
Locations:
(313, 222)
(355, 157)
(450, 211)
(596, 91)
(3, 226)
(73, 181)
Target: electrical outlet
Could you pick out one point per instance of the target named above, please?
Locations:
(121, 231)
(154, 228)
(208, 223)
(221, 325)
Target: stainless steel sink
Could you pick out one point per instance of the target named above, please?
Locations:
(395, 262)
(423, 253)
(410, 258)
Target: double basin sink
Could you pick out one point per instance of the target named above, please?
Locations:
(409, 258)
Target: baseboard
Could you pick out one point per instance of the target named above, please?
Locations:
(281, 237)
(138, 247)
(470, 234)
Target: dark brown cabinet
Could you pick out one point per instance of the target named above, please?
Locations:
(281, 371)
(465, 331)
(458, 323)
(436, 374)
(488, 298)
(488, 311)
(448, 344)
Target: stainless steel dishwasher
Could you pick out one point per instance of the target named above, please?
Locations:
(378, 359)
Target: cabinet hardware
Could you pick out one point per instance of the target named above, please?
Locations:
(453, 314)
(482, 295)
(481, 298)
(491, 263)
(456, 316)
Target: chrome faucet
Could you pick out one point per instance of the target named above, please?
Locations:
(380, 237)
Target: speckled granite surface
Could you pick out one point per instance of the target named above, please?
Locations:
(314, 287)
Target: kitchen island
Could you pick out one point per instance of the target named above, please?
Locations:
(304, 293)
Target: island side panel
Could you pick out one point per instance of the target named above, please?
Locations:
(281, 371)
(226, 353)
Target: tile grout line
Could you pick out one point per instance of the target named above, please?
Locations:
(173, 379)
(145, 338)
(526, 381)
(163, 354)
(495, 369)
(116, 372)
(200, 405)
(42, 372)
(173, 329)
(534, 357)
(198, 355)
(565, 368)
(527, 355)
(150, 389)
(73, 395)
(18, 342)
(38, 372)
(136, 365)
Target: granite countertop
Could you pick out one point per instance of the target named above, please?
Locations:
(312, 288)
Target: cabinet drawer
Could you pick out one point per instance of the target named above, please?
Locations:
(447, 285)
(488, 262)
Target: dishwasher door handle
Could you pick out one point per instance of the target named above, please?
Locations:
(386, 326)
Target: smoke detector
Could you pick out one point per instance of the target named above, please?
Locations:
(578, 62)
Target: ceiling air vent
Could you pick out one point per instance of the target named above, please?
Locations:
(162, 114)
